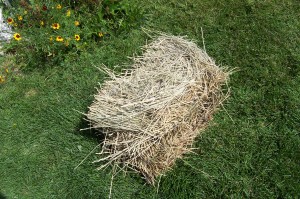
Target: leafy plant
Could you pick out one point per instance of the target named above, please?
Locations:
(49, 31)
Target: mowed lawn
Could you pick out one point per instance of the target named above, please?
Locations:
(251, 149)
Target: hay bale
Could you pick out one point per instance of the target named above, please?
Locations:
(152, 113)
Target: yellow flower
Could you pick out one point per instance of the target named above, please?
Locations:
(68, 13)
(2, 79)
(77, 37)
(51, 38)
(20, 18)
(15, 25)
(42, 23)
(76, 23)
(10, 20)
(100, 34)
(58, 6)
(6, 70)
(59, 39)
(17, 36)
(55, 26)
(25, 12)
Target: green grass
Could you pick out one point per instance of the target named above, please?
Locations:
(251, 150)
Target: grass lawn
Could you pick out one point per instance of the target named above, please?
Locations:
(251, 150)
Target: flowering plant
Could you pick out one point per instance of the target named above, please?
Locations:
(49, 31)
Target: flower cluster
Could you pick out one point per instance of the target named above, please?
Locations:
(55, 19)
(54, 29)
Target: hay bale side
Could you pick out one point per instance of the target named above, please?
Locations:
(151, 113)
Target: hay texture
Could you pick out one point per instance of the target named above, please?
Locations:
(151, 114)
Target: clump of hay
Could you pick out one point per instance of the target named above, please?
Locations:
(152, 113)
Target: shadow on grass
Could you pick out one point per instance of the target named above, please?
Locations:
(2, 196)
(84, 127)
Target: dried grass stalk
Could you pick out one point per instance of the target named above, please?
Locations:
(151, 113)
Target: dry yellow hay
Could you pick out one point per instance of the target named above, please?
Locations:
(151, 114)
